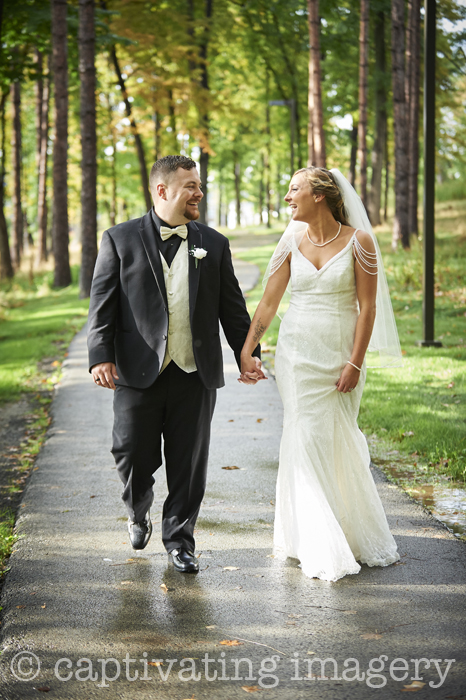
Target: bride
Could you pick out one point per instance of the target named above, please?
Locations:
(328, 512)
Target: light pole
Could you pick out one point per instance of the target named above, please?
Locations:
(428, 310)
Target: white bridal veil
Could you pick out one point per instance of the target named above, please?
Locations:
(384, 346)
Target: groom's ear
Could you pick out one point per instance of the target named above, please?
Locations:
(161, 190)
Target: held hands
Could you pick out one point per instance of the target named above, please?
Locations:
(104, 374)
(349, 379)
(251, 371)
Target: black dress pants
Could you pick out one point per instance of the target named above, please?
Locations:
(179, 408)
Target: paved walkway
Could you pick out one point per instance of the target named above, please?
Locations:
(99, 617)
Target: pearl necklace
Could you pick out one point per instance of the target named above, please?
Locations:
(321, 245)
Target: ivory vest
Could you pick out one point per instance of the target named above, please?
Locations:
(180, 341)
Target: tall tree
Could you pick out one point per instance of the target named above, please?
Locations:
(237, 174)
(89, 145)
(60, 231)
(204, 112)
(378, 151)
(412, 99)
(316, 117)
(43, 136)
(400, 125)
(363, 71)
(134, 130)
(6, 266)
(17, 210)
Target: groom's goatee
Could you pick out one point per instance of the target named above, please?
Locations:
(191, 215)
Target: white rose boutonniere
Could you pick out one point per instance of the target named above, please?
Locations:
(198, 254)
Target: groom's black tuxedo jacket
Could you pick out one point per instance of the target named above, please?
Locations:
(128, 313)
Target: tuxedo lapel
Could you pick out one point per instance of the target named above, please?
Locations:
(149, 241)
(194, 240)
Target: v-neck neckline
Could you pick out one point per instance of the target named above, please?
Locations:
(334, 257)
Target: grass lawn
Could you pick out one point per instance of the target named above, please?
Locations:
(422, 406)
(36, 322)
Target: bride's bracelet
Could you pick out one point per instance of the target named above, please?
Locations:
(353, 365)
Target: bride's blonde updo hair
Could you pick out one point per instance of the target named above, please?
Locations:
(321, 181)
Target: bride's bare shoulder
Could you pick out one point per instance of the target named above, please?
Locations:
(364, 239)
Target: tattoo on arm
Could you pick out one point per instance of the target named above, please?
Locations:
(259, 330)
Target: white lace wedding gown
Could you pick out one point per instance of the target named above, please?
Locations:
(328, 512)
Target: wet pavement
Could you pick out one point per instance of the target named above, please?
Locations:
(86, 617)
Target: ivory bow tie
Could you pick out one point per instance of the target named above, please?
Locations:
(181, 231)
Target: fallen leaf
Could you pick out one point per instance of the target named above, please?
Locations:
(272, 503)
(33, 593)
(451, 385)
(154, 663)
(211, 627)
(91, 496)
(232, 420)
(164, 588)
(412, 687)
(251, 688)
(409, 433)
(231, 643)
(259, 420)
(230, 467)
(294, 615)
(371, 635)
(43, 689)
(20, 606)
(43, 606)
(311, 653)
(125, 582)
(231, 568)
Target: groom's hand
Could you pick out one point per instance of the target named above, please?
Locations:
(251, 370)
(104, 374)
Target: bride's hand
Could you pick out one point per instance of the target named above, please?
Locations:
(251, 370)
(349, 379)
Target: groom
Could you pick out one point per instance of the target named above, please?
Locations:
(161, 285)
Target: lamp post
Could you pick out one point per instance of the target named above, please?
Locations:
(428, 311)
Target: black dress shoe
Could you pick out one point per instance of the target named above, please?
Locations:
(139, 533)
(183, 561)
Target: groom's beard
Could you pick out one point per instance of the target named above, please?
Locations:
(191, 214)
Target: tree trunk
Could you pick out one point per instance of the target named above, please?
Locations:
(353, 154)
(317, 118)
(387, 176)
(237, 172)
(363, 70)
(378, 151)
(156, 135)
(220, 197)
(400, 123)
(268, 157)
(412, 80)
(113, 205)
(89, 145)
(42, 184)
(204, 115)
(38, 90)
(261, 187)
(17, 212)
(60, 229)
(134, 130)
(6, 267)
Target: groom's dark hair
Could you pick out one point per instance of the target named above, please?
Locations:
(164, 168)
